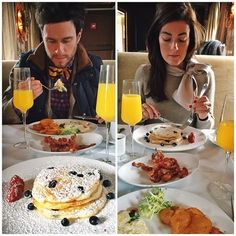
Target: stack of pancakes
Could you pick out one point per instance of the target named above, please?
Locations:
(68, 192)
(166, 134)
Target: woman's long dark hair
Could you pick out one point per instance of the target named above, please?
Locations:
(169, 12)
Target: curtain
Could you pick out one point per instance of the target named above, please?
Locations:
(9, 47)
(12, 46)
(212, 22)
(221, 32)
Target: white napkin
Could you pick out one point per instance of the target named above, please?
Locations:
(188, 86)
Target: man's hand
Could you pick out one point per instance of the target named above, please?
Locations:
(36, 87)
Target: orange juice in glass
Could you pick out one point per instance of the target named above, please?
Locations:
(131, 112)
(225, 135)
(22, 96)
(131, 107)
(105, 107)
(23, 99)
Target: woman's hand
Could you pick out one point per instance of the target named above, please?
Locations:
(149, 111)
(201, 106)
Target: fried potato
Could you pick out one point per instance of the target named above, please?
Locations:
(46, 122)
(194, 211)
(215, 230)
(179, 221)
(165, 215)
(200, 224)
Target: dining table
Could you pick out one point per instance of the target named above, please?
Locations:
(211, 167)
(211, 161)
(11, 155)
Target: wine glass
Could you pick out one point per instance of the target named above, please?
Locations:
(105, 106)
(221, 188)
(131, 107)
(22, 97)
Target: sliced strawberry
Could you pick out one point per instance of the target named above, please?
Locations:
(191, 137)
(16, 189)
(16, 180)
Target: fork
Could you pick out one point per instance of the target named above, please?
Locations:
(53, 88)
(189, 120)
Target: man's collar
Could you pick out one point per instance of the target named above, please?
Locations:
(38, 57)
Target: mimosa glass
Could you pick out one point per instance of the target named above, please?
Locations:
(22, 97)
(131, 108)
(221, 188)
(105, 106)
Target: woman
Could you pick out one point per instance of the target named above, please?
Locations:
(173, 79)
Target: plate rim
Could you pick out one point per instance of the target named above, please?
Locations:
(63, 153)
(162, 184)
(46, 159)
(135, 193)
(45, 135)
(170, 149)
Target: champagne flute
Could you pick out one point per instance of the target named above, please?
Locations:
(222, 189)
(105, 106)
(131, 107)
(22, 97)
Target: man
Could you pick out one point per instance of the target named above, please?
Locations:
(59, 56)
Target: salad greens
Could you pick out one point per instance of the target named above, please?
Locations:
(153, 203)
(70, 128)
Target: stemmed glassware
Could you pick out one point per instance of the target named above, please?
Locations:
(131, 107)
(221, 189)
(22, 97)
(105, 106)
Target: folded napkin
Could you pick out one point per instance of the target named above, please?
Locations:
(188, 86)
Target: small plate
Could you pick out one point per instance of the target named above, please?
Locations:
(86, 139)
(136, 176)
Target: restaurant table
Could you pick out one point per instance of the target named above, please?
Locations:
(211, 166)
(12, 134)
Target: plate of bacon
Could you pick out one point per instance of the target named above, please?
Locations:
(64, 145)
(159, 169)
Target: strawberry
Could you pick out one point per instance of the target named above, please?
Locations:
(16, 189)
(191, 137)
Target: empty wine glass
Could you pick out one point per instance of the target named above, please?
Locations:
(22, 96)
(221, 188)
(105, 106)
(131, 107)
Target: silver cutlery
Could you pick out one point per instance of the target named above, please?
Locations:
(53, 88)
(189, 120)
(84, 117)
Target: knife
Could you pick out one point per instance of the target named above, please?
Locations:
(88, 118)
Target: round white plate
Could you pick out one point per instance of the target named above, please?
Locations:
(17, 219)
(86, 139)
(137, 176)
(93, 126)
(140, 133)
(179, 197)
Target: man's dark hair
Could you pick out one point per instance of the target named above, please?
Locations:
(47, 13)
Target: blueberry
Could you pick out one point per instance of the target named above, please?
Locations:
(162, 144)
(106, 183)
(81, 188)
(80, 175)
(31, 206)
(28, 194)
(65, 222)
(52, 184)
(93, 220)
(148, 140)
(110, 196)
(147, 134)
(174, 144)
(101, 177)
(50, 168)
(73, 172)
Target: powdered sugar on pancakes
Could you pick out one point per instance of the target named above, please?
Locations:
(69, 186)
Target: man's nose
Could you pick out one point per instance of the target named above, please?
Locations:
(59, 48)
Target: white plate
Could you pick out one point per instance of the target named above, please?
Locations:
(179, 197)
(140, 133)
(16, 219)
(86, 139)
(137, 176)
(93, 126)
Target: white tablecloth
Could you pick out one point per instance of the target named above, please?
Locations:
(211, 166)
(211, 163)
